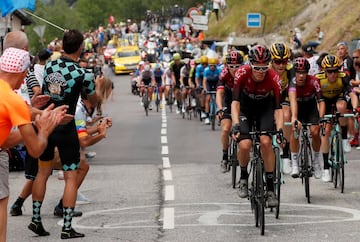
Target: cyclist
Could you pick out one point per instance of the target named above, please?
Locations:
(199, 75)
(256, 97)
(347, 66)
(158, 76)
(280, 55)
(305, 96)
(334, 86)
(210, 80)
(175, 67)
(223, 101)
(185, 82)
(146, 78)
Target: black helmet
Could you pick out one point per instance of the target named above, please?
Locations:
(301, 64)
(259, 54)
(234, 58)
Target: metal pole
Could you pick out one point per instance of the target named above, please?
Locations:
(44, 20)
(263, 30)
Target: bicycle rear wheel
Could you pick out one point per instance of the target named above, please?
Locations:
(170, 100)
(277, 180)
(212, 121)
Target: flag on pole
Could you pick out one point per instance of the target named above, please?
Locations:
(9, 6)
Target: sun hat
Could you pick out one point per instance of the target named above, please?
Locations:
(14, 60)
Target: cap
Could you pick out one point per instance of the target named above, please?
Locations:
(308, 49)
(14, 60)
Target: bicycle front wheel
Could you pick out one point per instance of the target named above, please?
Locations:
(234, 162)
(340, 169)
(260, 200)
(277, 180)
(306, 171)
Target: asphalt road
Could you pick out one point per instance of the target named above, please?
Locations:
(157, 178)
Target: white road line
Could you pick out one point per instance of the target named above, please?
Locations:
(163, 140)
(163, 125)
(169, 222)
(166, 162)
(165, 150)
(169, 193)
(163, 131)
(167, 175)
(164, 120)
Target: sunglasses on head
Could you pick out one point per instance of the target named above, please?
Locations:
(279, 62)
(332, 71)
(260, 68)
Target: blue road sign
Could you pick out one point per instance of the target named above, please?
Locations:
(253, 20)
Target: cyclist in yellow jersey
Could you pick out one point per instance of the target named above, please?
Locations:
(335, 86)
(280, 55)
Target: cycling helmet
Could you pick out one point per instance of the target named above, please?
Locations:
(234, 58)
(301, 64)
(330, 61)
(177, 57)
(259, 54)
(204, 59)
(279, 51)
(212, 61)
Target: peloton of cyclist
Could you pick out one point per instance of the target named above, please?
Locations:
(335, 86)
(280, 55)
(210, 80)
(223, 101)
(305, 97)
(256, 97)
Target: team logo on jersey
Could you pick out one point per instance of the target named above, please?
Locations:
(55, 85)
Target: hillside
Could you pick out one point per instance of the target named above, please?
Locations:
(339, 20)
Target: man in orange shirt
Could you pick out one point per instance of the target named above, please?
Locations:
(15, 112)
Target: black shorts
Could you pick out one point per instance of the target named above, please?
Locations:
(67, 141)
(330, 104)
(227, 103)
(308, 112)
(31, 167)
(259, 111)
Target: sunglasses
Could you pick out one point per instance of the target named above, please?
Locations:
(233, 66)
(355, 57)
(332, 71)
(260, 68)
(279, 62)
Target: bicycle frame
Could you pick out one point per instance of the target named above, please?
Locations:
(212, 106)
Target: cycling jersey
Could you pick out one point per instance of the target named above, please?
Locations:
(185, 74)
(175, 68)
(199, 73)
(146, 77)
(212, 78)
(158, 73)
(335, 89)
(246, 87)
(226, 82)
(310, 90)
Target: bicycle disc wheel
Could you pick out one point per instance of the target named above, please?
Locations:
(277, 180)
